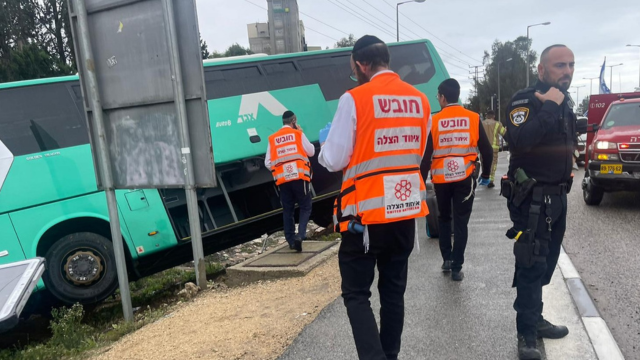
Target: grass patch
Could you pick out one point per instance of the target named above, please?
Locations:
(72, 336)
(75, 332)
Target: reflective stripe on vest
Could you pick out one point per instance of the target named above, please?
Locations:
(381, 163)
(456, 151)
(378, 202)
(286, 159)
(300, 171)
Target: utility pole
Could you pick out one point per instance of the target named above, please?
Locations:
(591, 83)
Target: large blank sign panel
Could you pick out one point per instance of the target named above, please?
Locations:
(132, 61)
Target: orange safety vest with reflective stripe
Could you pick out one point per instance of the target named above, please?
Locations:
(288, 159)
(455, 133)
(382, 182)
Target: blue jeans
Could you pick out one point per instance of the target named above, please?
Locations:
(293, 192)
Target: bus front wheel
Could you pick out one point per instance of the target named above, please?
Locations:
(81, 268)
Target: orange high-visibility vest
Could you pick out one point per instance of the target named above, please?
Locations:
(382, 182)
(288, 159)
(455, 133)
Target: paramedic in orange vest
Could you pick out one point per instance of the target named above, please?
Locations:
(377, 139)
(451, 155)
(287, 157)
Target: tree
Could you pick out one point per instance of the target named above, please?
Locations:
(346, 42)
(512, 75)
(32, 62)
(584, 105)
(204, 49)
(54, 32)
(237, 50)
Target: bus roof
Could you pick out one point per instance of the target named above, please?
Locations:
(206, 63)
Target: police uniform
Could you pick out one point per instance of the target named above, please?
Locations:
(541, 139)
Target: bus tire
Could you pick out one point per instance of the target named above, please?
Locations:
(81, 268)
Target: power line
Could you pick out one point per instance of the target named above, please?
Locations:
(318, 32)
(392, 26)
(392, 19)
(360, 17)
(430, 33)
(309, 16)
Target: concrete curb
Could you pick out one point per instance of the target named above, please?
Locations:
(242, 274)
(602, 340)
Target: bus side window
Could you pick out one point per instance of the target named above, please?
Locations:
(331, 73)
(40, 118)
(412, 62)
(234, 81)
(282, 75)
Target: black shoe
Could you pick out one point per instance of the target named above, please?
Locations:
(549, 331)
(491, 185)
(446, 266)
(297, 245)
(527, 349)
(457, 275)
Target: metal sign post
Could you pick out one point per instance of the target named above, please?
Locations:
(192, 200)
(142, 79)
(103, 156)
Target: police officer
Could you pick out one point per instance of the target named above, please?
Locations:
(541, 128)
(452, 151)
(377, 138)
(287, 157)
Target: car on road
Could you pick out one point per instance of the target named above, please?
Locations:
(582, 147)
(613, 153)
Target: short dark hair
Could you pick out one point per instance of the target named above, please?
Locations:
(450, 89)
(545, 52)
(369, 50)
(287, 117)
(491, 112)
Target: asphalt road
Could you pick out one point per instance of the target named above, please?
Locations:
(444, 320)
(604, 244)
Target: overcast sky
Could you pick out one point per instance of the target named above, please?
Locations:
(461, 29)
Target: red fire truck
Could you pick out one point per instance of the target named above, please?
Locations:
(612, 159)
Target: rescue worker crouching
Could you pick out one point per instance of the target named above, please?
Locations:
(287, 157)
(377, 138)
(451, 154)
(541, 128)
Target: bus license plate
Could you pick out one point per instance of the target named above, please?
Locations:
(611, 169)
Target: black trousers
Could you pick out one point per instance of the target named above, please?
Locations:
(389, 247)
(461, 195)
(529, 281)
(292, 192)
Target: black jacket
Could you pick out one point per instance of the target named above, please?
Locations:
(541, 137)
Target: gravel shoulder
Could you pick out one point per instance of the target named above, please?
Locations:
(257, 321)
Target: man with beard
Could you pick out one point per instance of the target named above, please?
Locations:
(541, 128)
(377, 138)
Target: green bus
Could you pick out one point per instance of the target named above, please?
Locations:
(50, 205)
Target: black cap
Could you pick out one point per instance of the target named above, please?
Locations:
(365, 41)
(287, 115)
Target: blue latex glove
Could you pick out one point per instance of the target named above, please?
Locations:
(484, 181)
(324, 133)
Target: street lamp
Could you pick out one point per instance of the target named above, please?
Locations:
(529, 47)
(398, 16)
(500, 107)
(611, 74)
(591, 83)
(578, 94)
(638, 73)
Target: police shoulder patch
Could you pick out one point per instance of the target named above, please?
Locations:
(519, 115)
(520, 102)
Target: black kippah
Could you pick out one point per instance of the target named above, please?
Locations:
(287, 115)
(365, 41)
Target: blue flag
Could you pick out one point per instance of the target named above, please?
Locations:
(603, 86)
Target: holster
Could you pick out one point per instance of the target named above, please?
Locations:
(523, 190)
(506, 188)
(527, 249)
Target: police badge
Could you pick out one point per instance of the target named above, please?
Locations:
(519, 115)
